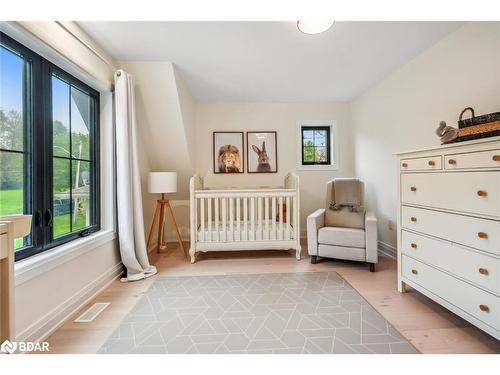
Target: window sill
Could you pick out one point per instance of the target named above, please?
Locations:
(36, 265)
(317, 167)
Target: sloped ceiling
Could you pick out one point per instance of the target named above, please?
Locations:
(272, 61)
(165, 119)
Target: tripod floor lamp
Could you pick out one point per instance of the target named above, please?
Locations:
(163, 183)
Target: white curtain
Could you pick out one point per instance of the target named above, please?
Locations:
(128, 183)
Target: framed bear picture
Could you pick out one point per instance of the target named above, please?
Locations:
(228, 152)
(262, 152)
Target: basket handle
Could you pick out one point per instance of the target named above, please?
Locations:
(465, 110)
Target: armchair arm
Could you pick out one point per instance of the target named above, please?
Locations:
(371, 237)
(315, 221)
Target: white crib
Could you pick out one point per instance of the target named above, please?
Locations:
(245, 219)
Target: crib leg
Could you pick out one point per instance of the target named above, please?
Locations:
(192, 253)
(298, 251)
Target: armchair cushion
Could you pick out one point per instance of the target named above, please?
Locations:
(344, 218)
(350, 237)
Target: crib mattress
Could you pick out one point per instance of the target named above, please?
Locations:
(264, 232)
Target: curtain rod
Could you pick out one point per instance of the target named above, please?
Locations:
(86, 45)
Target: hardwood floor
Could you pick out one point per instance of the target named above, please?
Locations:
(428, 326)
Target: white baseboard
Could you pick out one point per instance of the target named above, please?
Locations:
(384, 248)
(46, 325)
(387, 250)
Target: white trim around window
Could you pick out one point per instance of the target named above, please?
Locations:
(334, 145)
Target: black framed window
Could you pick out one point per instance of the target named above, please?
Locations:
(316, 148)
(49, 154)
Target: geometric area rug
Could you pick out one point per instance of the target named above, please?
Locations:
(294, 313)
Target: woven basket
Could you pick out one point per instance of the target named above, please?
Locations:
(477, 127)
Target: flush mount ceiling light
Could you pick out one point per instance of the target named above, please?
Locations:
(314, 27)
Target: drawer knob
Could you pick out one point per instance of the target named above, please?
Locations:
(414, 271)
(496, 158)
(413, 188)
(484, 308)
(404, 165)
(413, 245)
(414, 219)
(482, 235)
(482, 193)
(431, 163)
(452, 161)
(483, 271)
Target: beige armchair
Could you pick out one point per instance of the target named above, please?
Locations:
(343, 233)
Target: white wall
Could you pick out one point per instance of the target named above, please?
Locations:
(283, 118)
(403, 111)
(45, 300)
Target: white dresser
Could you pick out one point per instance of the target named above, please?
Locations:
(449, 228)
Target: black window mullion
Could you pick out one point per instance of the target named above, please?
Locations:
(48, 156)
(94, 154)
(37, 156)
(32, 174)
(71, 208)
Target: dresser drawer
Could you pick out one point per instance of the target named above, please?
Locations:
(470, 192)
(477, 268)
(479, 159)
(421, 164)
(482, 234)
(474, 301)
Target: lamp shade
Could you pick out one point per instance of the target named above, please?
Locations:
(162, 182)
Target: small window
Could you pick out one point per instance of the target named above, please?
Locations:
(316, 145)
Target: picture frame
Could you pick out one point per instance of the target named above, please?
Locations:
(262, 151)
(228, 152)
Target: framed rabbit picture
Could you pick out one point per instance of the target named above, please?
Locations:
(262, 152)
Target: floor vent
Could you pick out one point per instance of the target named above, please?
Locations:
(92, 313)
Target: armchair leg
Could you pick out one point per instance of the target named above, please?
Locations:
(314, 259)
(372, 267)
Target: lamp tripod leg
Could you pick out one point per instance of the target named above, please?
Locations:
(176, 228)
(155, 217)
(161, 227)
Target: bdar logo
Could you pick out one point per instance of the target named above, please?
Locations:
(8, 347)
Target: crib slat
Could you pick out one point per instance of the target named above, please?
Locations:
(202, 220)
(209, 219)
(252, 218)
(245, 219)
(261, 216)
(224, 217)
(295, 234)
(216, 219)
(280, 208)
(231, 220)
(273, 218)
(266, 218)
(238, 216)
(287, 221)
